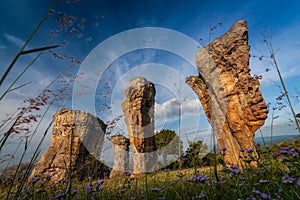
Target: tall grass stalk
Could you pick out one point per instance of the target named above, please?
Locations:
(31, 163)
(9, 89)
(17, 170)
(18, 116)
(69, 189)
(21, 51)
(274, 63)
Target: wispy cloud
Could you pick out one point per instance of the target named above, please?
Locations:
(13, 39)
(2, 47)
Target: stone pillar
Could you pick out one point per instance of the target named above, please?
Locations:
(230, 96)
(84, 133)
(138, 108)
(121, 156)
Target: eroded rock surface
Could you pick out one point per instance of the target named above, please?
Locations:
(121, 156)
(138, 108)
(230, 96)
(80, 129)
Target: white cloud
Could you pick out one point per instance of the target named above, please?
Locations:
(13, 39)
(171, 108)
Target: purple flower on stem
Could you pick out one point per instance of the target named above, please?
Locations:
(75, 191)
(224, 149)
(251, 198)
(234, 169)
(250, 150)
(201, 178)
(288, 180)
(298, 182)
(128, 173)
(89, 188)
(256, 192)
(34, 180)
(283, 151)
(60, 196)
(265, 196)
(122, 191)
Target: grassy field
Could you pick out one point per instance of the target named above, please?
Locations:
(277, 176)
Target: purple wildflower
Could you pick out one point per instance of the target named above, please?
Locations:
(265, 196)
(263, 181)
(287, 180)
(122, 191)
(251, 198)
(298, 182)
(284, 151)
(155, 189)
(250, 150)
(280, 190)
(234, 169)
(201, 178)
(256, 192)
(189, 179)
(34, 180)
(89, 188)
(128, 173)
(75, 191)
(194, 178)
(60, 196)
(224, 149)
(200, 196)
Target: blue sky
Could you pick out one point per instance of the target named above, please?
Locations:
(98, 21)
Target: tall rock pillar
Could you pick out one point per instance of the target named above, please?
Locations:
(121, 156)
(138, 108)
(230, 96)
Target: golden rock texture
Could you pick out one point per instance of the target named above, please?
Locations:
(230, 96)
(138, 109)
(80, 129)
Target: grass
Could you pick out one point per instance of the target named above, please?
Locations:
(277, 176)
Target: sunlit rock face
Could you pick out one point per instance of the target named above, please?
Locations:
(72, 129)
(138, 108)
(121, 156)
(230, 96)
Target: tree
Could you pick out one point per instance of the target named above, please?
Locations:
(194, 154)
(167, 143)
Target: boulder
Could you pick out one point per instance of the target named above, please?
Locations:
(80, 132)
